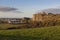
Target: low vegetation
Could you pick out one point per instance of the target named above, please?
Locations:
(13, 26)
(46, 33)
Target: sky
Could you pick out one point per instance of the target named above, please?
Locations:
(25, 8)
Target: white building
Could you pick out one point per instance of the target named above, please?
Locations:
(14, 21)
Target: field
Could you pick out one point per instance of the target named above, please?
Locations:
(46, 33)
(6, 26)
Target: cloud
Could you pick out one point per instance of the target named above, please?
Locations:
(9, 9)
(52, 10)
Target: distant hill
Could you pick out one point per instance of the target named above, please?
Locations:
(52, 10)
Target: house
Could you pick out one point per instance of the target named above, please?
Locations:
(38, 17)
(18, 20)
(14, 21)
(25, 20)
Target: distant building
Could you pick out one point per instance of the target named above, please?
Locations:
(25, 19)
(15, 20)
(38, 16)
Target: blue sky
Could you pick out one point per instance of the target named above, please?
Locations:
(28, 7)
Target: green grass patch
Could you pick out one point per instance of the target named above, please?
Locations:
(46, 33)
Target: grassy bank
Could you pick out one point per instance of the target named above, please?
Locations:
(46, 33)
(6, 26)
